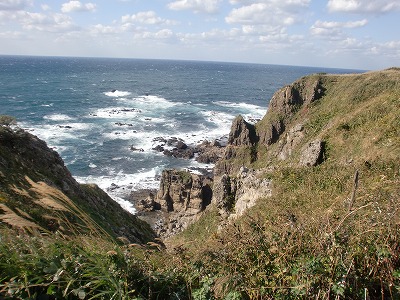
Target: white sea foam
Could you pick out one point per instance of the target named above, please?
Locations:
(116, 112)
(117, 94)
(153, 102)
(55, 134)
(118, 185)
(58, 117)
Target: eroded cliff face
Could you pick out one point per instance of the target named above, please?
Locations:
(179, 201)
(182, 196)
(38, 193)
(236, 188)
(284, 103)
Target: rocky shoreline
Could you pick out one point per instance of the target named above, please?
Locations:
(231, 187)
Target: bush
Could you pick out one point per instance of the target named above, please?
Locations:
(7, 120)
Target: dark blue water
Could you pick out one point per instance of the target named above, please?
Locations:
(93, 110)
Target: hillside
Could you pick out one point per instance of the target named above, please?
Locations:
(38, 194)
(328, 152)
(305, 204)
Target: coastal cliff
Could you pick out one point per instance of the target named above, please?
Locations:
(302, 204)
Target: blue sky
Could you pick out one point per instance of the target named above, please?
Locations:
(361, 34)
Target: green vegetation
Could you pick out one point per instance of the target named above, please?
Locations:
(322, 235)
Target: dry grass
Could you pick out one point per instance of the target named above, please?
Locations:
(11, 218)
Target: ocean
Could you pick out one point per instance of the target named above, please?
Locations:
(104, 116)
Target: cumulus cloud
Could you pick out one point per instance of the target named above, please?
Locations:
(77, 6)
(363, 6)
(198, 6)
(14, 4)
(146, 17)
(163, 34)
(50, 23)
(281, 12)
(334, 30)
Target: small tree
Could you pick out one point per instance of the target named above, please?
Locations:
(7, 120)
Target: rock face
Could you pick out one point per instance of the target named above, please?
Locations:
(182, 191)
(242, 133)
(234, 195)
(285, 103)
(181, 198)
(293, 138)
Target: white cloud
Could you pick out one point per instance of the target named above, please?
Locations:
(14, 4)
(45, 7)
(334, 30)
(288, 4)
(146, 17)
(42, 22)
(103, 29)
(77, 6)
(278, 12)
(363, 6)
(198, 6)
(350, 24)
(163, 34)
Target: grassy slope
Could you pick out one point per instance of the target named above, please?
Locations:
(304, 241)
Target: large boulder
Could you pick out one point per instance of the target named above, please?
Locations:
(312, 153)
(234, 195)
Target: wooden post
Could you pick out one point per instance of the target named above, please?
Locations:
(353, 194)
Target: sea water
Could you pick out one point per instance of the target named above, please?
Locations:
(94, 111)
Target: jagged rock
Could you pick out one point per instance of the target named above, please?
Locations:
(271, 133)
(249, 188)
(242, 133)
(312, 153)
(209, 152)
(284, 103)
(148, 204)
(183, 191)
(182, 197)
(223, 195)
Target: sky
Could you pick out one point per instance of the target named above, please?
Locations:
(353, 34)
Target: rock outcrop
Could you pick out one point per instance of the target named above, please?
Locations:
(234, 195)
(242, 133)
(206, 152)
(181, 198)
(284, 104)
(293, 138)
